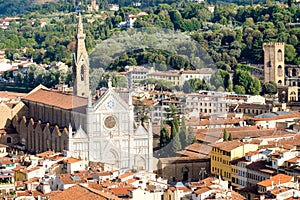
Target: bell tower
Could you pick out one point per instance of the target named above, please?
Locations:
(80, 64)
(274, 63)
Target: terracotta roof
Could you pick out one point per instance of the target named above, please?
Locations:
(32, 180)
(202, 190)
(213, 134)
(57, 99)
(78, 192)
(126, 175)
(294, 160)
(46, 154)
(199, 71)
(160, 73)
(28, 170)
(229, 145)
(69, 179)
(196, 150)
(71, 160)
(183, 188)
(11, 95)
(146, 102)
(261, 166)
(33, 193)
(107, 173)
(7, 161)
(121, 191)
(276, 116)
(94, 185)
(276, 191)
(19, 168)
(195, 121)
(275, 180)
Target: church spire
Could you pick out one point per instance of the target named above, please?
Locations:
(80, 25)
(80, 63)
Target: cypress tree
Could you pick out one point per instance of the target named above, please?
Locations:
(191, 139)
(175, 145)
(173, 120)
(183, 134)
(230, 137)
(164, 137)
(225, 135)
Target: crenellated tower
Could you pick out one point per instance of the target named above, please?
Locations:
(274, 63)
(80, 64)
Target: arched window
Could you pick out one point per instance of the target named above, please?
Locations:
(283, 96)
(279, 55)
(294, 72)
(82, 72)
(279, 70)
(8, 140)
(293, 96)
(279, 83)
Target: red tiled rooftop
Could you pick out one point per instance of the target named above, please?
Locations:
(57, 99)
(77, 192)
(275, 180)
(71, 160)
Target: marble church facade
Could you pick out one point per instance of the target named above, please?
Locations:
(96, 130)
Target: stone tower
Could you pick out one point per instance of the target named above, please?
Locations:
(274, 63)
(80, 64)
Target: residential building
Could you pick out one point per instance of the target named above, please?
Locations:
(93, 6)
(114, 7)
(275, 181)
(203, 74)
(171, 76)
(23, 173)
(73, 164)
(213, 188)
(271, 120)
(224, 152)
(209, 102)
(135, 74)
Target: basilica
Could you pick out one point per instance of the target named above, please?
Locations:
(95, 129)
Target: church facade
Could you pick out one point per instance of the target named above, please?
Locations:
(97, 130)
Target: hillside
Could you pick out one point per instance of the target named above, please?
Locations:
(14, 7)
(43, 1)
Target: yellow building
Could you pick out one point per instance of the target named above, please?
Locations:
(223, 153)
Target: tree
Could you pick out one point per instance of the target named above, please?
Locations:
(191, 136)
(290, 53)
(230, 137)
(255, 87)
(225, 135)
(175, 18)
(269, 88)
(244, 82)
(141, 110)
(164, 137)
(173, 120)
(183, 134)
(175, 145)
(222, 79)
(187, 88)
(239, 89)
